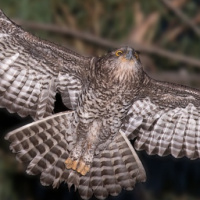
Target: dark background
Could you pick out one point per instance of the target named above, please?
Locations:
(168, 38)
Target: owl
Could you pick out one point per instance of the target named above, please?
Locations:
(111, 101)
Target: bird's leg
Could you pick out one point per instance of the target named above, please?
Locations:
(81, 158)
(73, 160)
(82, 163)
(91, 145)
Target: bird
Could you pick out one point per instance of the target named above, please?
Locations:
(111, 101)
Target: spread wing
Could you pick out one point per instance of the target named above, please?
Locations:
(32, 71)
(165, 120)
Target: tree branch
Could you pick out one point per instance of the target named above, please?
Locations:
(183, 17)
(150, 49)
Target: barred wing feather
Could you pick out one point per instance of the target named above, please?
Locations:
(166, 122)
(32, 71)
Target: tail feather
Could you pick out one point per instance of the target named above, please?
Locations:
(70, 177)
(130, 158)
(41, 149)
(85, 189)
(96, 179)
(26, 139)
(41, 162)
(53, 174)
(121, 173)
(115, 168)
(109, 174)
(73, 179)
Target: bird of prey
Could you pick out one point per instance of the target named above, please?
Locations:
(111, 101)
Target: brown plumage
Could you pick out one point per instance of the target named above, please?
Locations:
(112, 101)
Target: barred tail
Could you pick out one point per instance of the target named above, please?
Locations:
(45, 145)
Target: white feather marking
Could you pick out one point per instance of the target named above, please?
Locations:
(8, 61)
(3, 35)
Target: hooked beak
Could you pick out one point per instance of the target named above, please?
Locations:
(129, 54)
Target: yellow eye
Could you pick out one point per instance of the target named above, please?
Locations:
(136, 55)
(118, 53)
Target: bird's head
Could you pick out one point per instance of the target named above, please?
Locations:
(119, 65)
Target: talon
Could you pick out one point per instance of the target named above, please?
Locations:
(74, 164)
(77, 165)
(68, 163)
(80, 166)
(71, 164)
(85, 170)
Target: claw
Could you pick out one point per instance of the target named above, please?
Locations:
(71, 164)
(83, 169)
(77, 165)
(68, 163)
(80, 166)
(74, 164)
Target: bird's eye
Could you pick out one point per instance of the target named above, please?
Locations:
(136, 55)
(118, 53)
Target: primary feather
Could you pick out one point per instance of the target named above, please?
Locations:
(33, 71)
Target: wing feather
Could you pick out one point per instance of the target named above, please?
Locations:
(169, 120)
(32, 71)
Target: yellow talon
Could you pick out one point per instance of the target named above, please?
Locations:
(68, 163)
(77, 165)
(80, 166)
(74, 164)
(85, 170)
